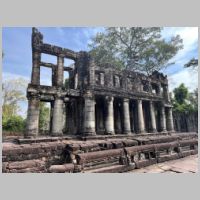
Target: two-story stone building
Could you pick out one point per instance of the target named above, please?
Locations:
(99, 99)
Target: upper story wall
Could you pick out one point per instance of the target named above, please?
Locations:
(132, 82)
(86, 75)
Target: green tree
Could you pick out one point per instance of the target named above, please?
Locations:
(181, 93)
(44, 116)
(193, 99)
(192, 63)
(136, 48)
(184, 101)
(14, 123)
(13, 92)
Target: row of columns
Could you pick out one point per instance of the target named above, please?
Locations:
(89, 115)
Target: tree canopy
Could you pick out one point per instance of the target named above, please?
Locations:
(185, 101)
(13, 91)
(136, 48)
(192, 63)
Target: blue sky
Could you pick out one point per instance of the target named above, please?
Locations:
(17, 61)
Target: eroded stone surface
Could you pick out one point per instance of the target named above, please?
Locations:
(185, 165)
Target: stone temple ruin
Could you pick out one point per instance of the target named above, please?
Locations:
(105, 120)
(99, 100)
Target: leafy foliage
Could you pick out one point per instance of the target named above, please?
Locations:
(184, 101)
(44, 116)
(14, 123)
(136, 48)
(13, 92)
(192, 63)
(181, 94)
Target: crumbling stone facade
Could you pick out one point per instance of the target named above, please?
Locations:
(100, 100)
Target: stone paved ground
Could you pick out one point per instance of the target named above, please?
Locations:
(185, 165)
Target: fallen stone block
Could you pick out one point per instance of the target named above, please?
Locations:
(61, 168)
(91, 156)
(25, 164)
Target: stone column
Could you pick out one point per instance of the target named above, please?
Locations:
(170, 122)
(126, 116)
(101, 78)
(152, 114)
(76, 81)
(163, 119)
(89, 115)
(109, 123)
(159, 89)
(140, 116)
(59, 74)
(64, 117)
(166, 92)
(32, 124)
(57, 121)
(35, 79)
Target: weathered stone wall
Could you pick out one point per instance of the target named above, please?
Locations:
(31, 157)
(185, 122)
(96, 155)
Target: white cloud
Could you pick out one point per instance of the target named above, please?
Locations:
(190, 41)
(12, 76)
(186, 76)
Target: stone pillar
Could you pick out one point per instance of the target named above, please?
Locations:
(166, 93)
(170, 122)
(152, 114)
(64, 117)
(163, 119)
(53, 76)
(76, 81)
(109, 123)
(117, 81)
(57, 122)
(59, 74)
(32, 124)
(140, 116)
(159, 89)
(35, 79)
(89, 115)
(126, 116)
(101, 78)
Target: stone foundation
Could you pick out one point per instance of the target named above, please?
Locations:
(96, 155)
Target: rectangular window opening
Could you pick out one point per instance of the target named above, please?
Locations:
(69, 63)
(45, 76)
(49, 58)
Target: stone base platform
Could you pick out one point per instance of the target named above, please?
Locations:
(187, 164)
(95, 154)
